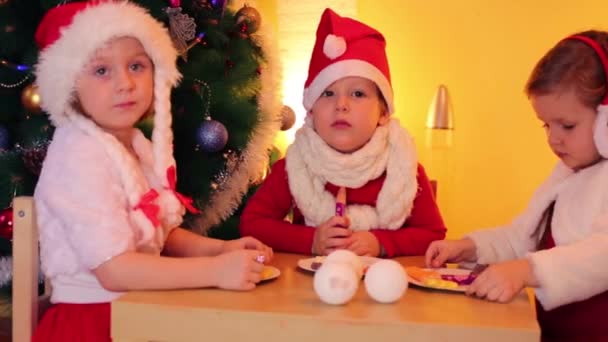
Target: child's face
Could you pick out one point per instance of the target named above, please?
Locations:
(569, 126)
(346, 115)
(116, 87)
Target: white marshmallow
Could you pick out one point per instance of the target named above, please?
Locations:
(336, 283)
(386, 281)
(348, 257)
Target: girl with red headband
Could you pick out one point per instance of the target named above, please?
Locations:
(559, 245)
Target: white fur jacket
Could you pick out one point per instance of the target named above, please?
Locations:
(83, 217)
(576, 268)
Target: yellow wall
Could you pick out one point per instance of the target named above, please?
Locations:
(268, 9)
(483, 51)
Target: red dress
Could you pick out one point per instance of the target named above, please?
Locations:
(263, 216)
(582, 321)
(75, 323)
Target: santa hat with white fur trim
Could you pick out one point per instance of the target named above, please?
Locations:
(346, 47)
(68, 37)
(600, 130)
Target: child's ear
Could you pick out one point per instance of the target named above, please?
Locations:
(384, 119)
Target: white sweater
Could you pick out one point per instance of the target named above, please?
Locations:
(576, 268)
(82, 216)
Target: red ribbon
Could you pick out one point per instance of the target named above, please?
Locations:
(149, 207)
(186, 201)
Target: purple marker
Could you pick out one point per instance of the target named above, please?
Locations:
(341, 202)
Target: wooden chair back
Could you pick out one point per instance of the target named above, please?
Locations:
(27, 305)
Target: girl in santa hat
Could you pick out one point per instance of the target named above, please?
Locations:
(106, 201)
(349, 141)
(559, 245)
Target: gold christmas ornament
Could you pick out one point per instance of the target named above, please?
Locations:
(248, 19)
(30, 98)
(288, 118)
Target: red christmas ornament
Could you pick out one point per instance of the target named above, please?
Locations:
(6, 223)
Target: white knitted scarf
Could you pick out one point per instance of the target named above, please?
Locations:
(310, 163)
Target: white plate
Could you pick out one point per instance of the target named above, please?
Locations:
(270, 272)
(307, 264)
(451, 271)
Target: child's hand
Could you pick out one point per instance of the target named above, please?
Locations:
(331, 235)
(248, 242)
(364, 243)
(239, 270)
(503, 281)
(442, 251)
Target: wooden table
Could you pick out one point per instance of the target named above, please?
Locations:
(287, 309)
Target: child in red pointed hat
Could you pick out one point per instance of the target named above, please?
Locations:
(559, 244)
(349, 140)
(106, 200)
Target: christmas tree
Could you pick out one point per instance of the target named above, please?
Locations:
(226, 110)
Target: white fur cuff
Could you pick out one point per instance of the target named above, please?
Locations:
(600, 130)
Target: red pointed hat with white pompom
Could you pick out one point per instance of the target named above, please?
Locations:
(346, 47)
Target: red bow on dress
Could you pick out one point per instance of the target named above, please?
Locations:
(186, 201)
(149, 207)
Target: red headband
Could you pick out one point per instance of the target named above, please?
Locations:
(600, 53)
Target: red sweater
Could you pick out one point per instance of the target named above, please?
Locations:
(265, 212)
(578, 321)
